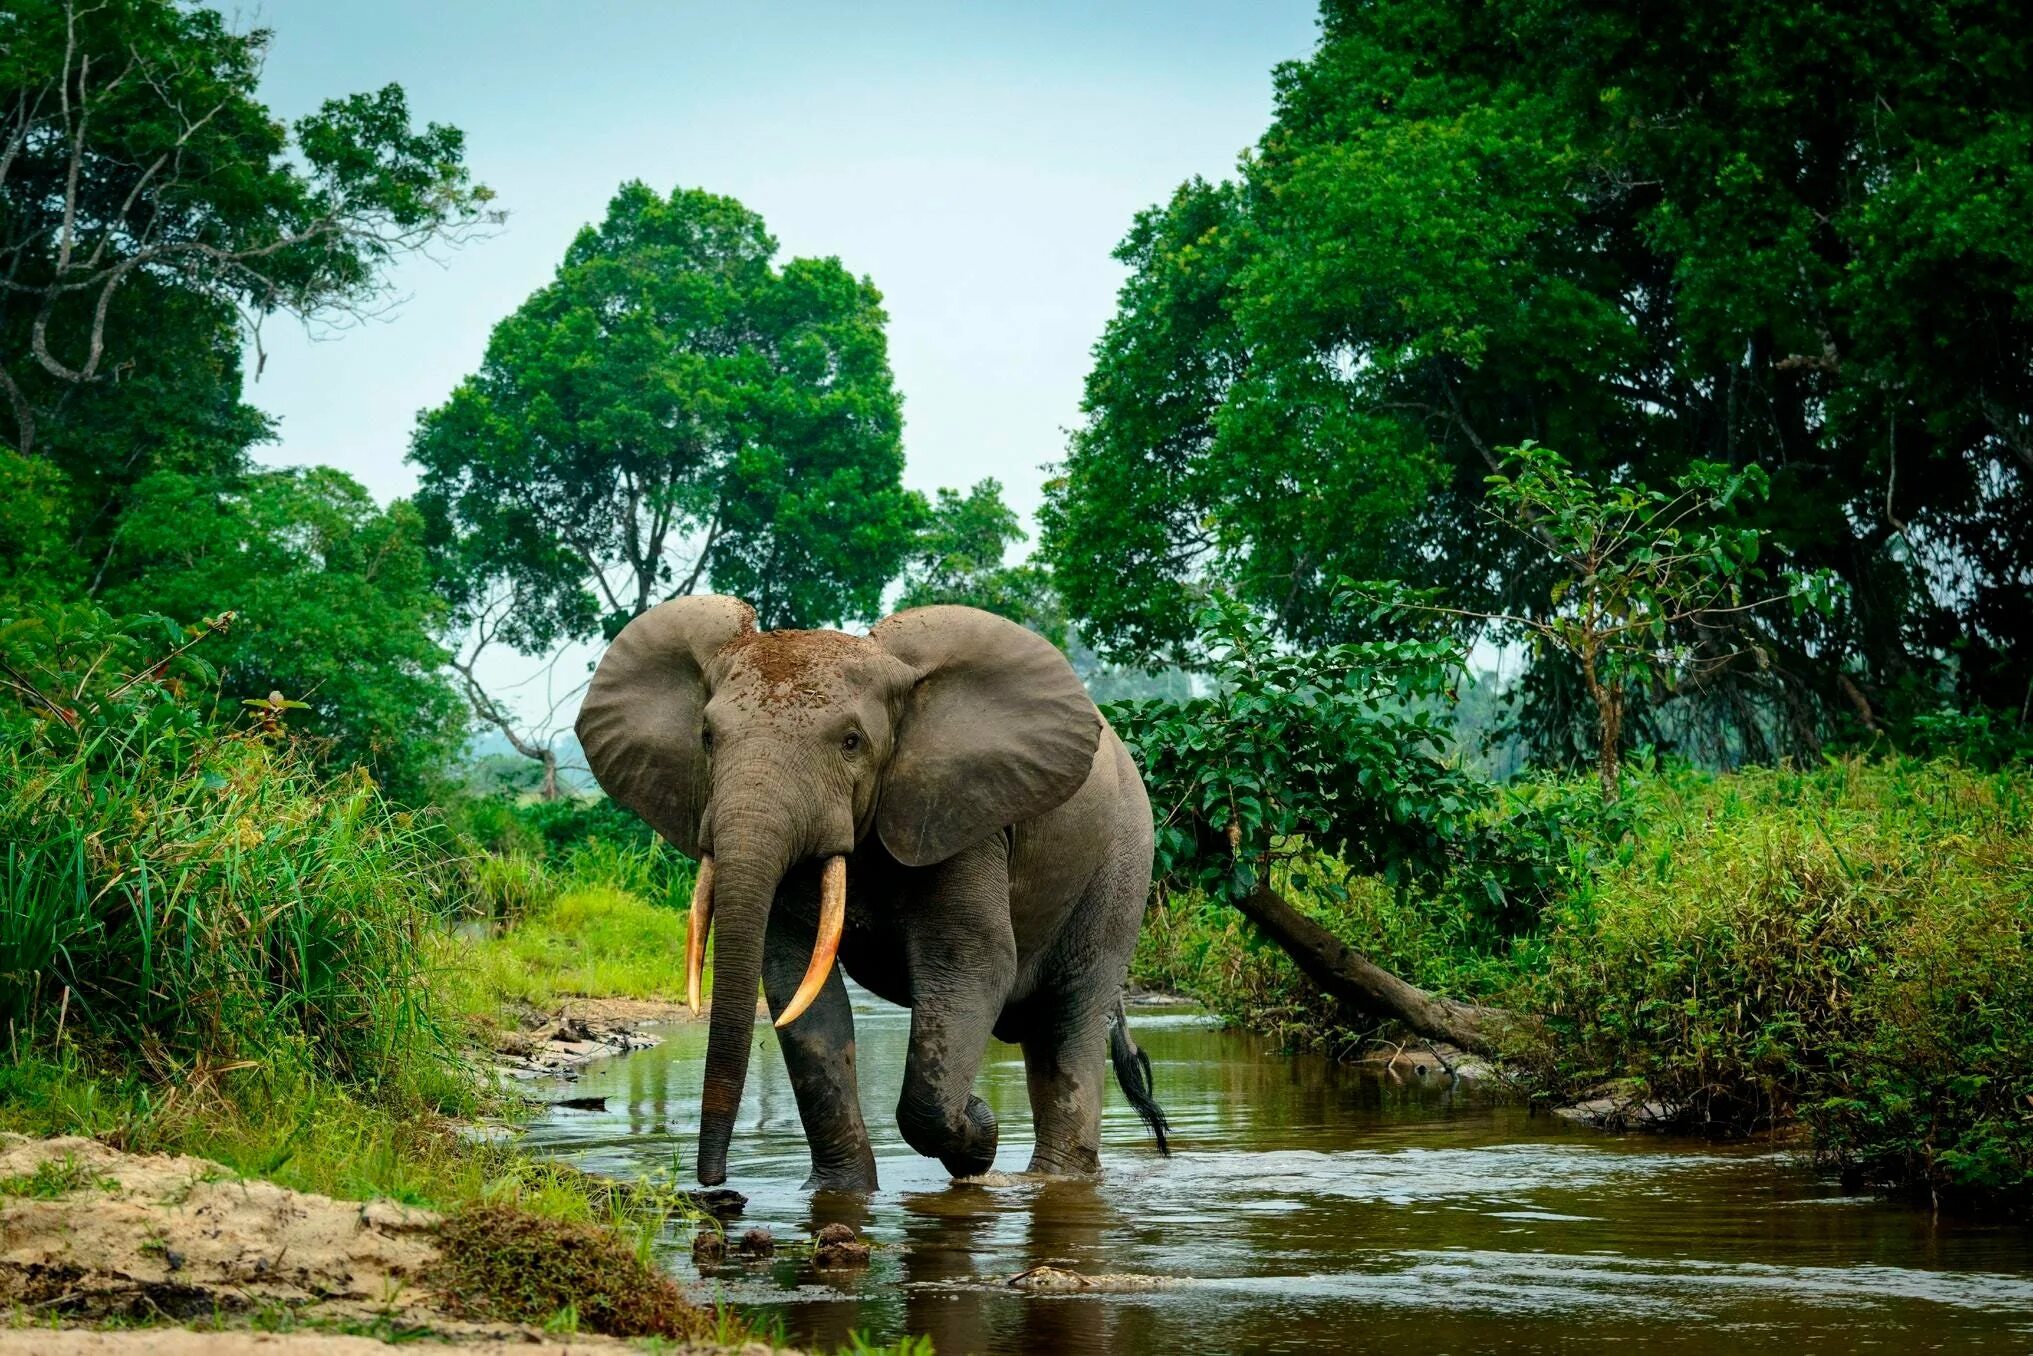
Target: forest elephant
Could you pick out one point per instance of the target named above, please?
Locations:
(938, 808)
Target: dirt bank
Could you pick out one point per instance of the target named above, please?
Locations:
(557, 1044)
(89, 1235)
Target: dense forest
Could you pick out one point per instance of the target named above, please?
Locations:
(1681, 355)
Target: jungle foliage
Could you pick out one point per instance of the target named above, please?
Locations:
(1844, 947)
(672, 408)
(1757, 272)
(1759, 234)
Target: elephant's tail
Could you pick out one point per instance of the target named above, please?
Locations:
(1133, 1072)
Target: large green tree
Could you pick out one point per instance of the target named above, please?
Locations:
(672, 411)
(1759, 233)
(334, 604)
(150, 203)
(958, 558)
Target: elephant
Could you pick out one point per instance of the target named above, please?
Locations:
(936, 808)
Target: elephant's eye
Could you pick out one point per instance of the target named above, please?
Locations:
(706, 740)
(851, 741)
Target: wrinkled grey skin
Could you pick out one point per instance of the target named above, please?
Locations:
(998, 844)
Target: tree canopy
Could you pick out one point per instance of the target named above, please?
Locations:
(334, 605)
(140, 174)
(153, 211)
(1781, 235)
(672, 410)
(958, 558)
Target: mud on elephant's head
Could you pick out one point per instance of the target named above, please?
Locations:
(756, 751)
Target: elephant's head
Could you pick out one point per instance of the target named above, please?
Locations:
(756, 751)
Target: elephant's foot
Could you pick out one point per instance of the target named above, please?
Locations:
(1081, 1160)
(858, 1180)
(965, 1144)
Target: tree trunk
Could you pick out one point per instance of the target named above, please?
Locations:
(1610, 714)
(1609, 724)
(548, 791)
(1360, 985)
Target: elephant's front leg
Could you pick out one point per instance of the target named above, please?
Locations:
(819, 1056)
(962, 962)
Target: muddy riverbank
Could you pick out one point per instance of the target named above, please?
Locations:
(93, 1240)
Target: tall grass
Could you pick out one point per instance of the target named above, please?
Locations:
(183, 891)
(228, 903)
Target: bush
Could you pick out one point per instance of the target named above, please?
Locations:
(191, 894)
(1851, 946)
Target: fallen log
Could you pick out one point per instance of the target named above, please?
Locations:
(1364, 987)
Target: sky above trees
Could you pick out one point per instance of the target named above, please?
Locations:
(977, 162)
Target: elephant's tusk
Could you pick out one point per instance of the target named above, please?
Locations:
(695, 934)
(832, 919)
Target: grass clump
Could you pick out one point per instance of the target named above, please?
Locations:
(504, 1264)
(52, 1178)
(588, 941)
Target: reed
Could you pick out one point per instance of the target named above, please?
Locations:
(213, 903)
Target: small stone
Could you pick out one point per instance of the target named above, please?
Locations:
(709, 1246)
(836, 1246)
(757, 1242)
(721, 1202)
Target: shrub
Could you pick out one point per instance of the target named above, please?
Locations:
(1850, 946)
(179, 890)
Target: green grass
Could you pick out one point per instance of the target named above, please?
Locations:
(52, 1178)
(199, 905)
(596, 941)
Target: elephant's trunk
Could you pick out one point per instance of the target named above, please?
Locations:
(750, 856)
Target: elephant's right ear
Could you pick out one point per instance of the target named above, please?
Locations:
(640, 722)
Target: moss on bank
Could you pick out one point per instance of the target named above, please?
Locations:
(503, 1263)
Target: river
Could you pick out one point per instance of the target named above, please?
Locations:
(1309, 1206)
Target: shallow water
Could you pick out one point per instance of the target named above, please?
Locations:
(1309, 1206)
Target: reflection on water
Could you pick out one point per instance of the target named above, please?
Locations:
(1313, 1207)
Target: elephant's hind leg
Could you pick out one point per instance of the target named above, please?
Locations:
(819, 1056)
(1065, 1063)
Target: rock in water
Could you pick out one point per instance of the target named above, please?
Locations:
(1056, 1280)
(836, 1246)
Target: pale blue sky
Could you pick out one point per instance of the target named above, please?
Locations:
(979, 162)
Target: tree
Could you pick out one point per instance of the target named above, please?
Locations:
(334, 605)
(1293, 758)
(1645, 595)
(671, 411)
(1762, 233)
(133, 151)
(958, 558)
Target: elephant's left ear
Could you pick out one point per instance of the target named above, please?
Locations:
(996, 730)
